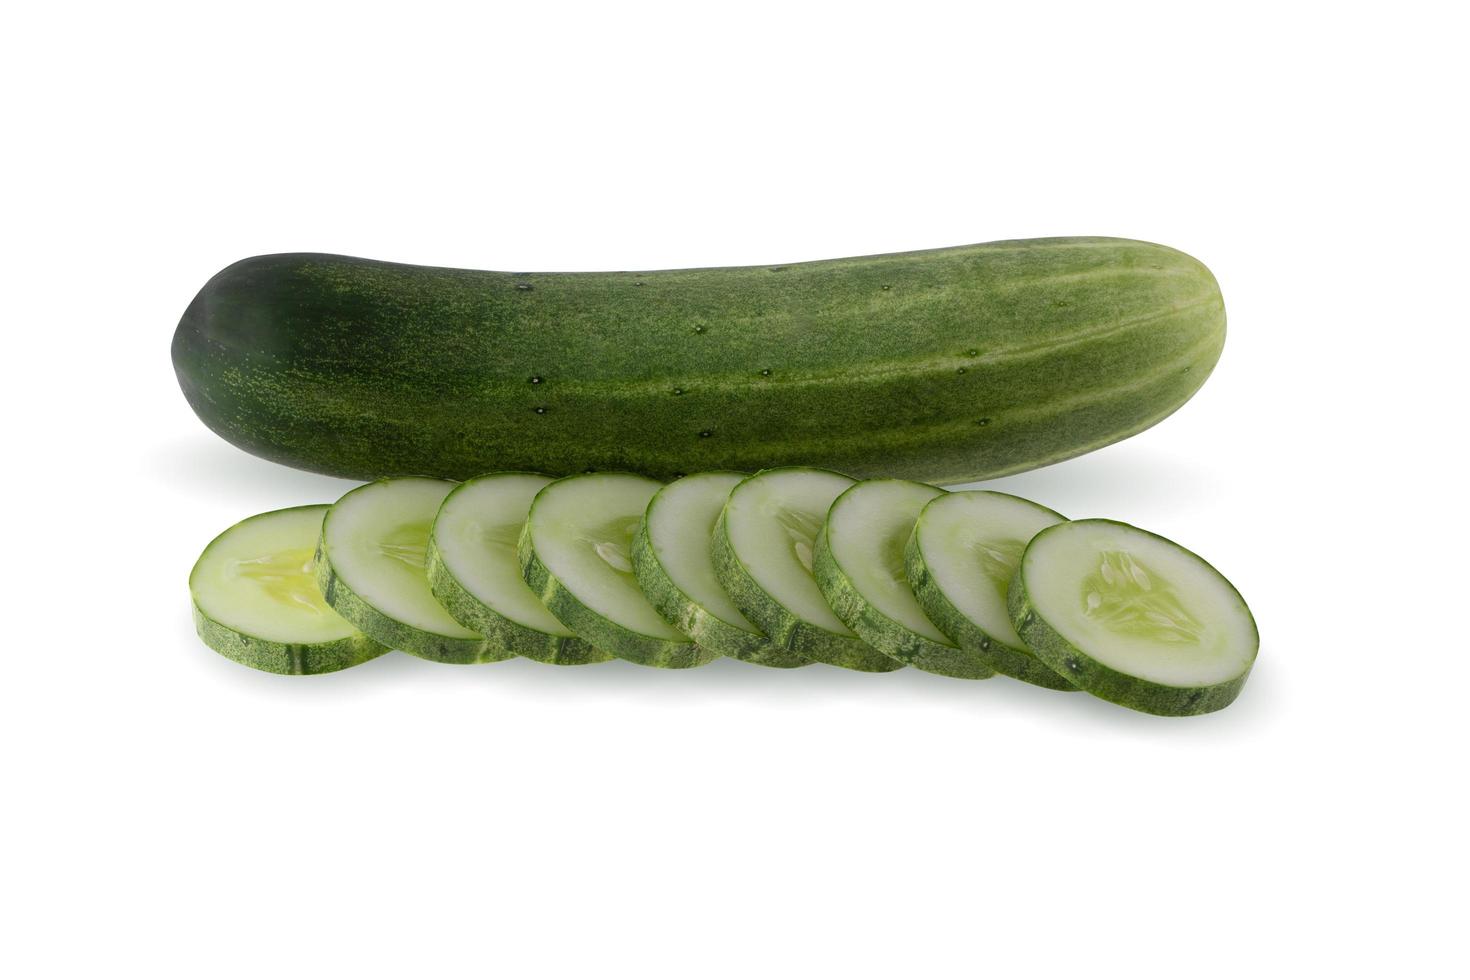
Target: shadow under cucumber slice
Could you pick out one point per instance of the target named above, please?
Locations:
(671, 559)
(371, 567)
(256, 600)
(959, 562)
(475, 576)
(574, 553)
(763, 547)
(1133, 618)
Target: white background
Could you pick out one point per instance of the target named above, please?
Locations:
(171, 814)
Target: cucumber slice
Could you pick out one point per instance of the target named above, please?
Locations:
(859, 566)
(959, 562)
(763, 548)
(574, 553)
(671, 559)
(1133, 618)
(256, 600)
(371, 566)
(474, 574)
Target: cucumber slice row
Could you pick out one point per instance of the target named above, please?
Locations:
(859, 564)
(959, 562)
(763, 549)
(575, 553)
(475, 576)
(1133, 618)
(372, 569)
(256, 600)
(671, 560)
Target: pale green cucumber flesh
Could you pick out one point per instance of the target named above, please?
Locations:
(763, 549)
(1133, 618)
(859, 566)
(475, 576)
(372, 568)
(256, 600)
(575, 554)
(671, 560)
(959, 562)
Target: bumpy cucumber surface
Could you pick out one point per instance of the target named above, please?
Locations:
(858, 562)
(763, 549)
(959, 561)
(371, 567)
(475, 575)
(1133, 618)
(671, 559)
(575, 553)
(946, 366)
(256, 600)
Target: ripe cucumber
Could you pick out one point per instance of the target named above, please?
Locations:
(763, 549)
(574, 553)
(671, 559)
(1133, 618)
(960, 561)
(947, 366)
(371, 566)
(475, 576)
(256, 600)
(858, 562)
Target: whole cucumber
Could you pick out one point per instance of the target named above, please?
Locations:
(945, 366)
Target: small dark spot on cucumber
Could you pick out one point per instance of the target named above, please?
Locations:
(535, 379)
(766, 372)
(700, 328)
(705, 434)
(985, 644)
(982, 421)
(539, 409)
(678, 391)
(1060, 303)
(778, 268)
(1073, 666)
(589, 470)
(524, 287)
(638, 283)
(1185, 371)
(959, 371)
(680, 476)
(973, 352)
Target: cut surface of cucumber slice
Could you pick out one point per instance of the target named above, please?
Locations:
(1133, 618)
(371, 566)
(475, 576)
(763, 550)
(256, 599)
(575, 553)
(859, 566)
(959, 562)
(671, 559)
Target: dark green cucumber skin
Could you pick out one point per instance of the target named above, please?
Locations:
(945, 366)
(971, 639)
(285, 658)
(1104, 682)
(522, 641)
